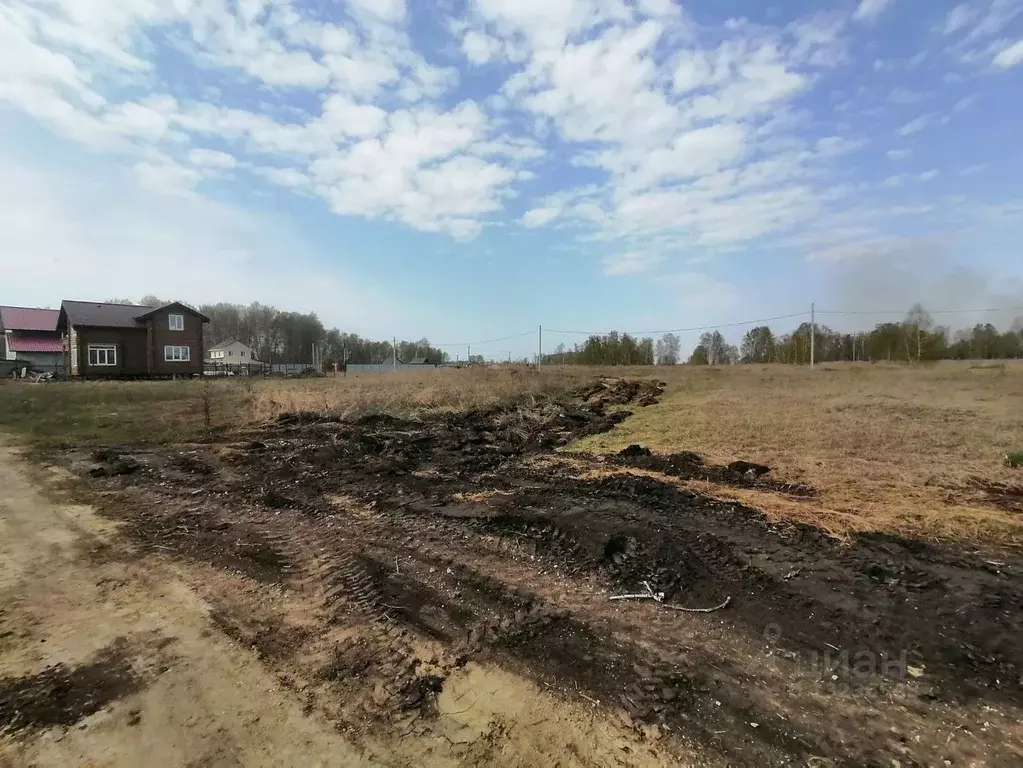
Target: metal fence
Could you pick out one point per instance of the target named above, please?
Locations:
(387, 367)
(32, 365)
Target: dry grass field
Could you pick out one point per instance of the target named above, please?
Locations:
(410, 392)
(897, 448)
(912, 450)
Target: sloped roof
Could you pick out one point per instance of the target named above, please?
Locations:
(175, 305)
(28, 319)
(104, 315)
(226, 344)
(19, 343)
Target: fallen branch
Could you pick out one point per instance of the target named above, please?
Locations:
(648, 595)
(658, 597)
(699, 610)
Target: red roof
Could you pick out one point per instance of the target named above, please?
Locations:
(20, 344)
(28, 319)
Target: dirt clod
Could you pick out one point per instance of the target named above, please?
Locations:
(634, 450)
(63, 694)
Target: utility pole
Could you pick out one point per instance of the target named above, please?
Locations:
(468, 354)
(394, 354)
(813, 332)
(539, 347)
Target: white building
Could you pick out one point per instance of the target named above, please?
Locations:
(232, 352)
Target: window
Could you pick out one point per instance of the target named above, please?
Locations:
(242, 353)
(102, 354)
(176, 322)
(230, 353)
(176, 354)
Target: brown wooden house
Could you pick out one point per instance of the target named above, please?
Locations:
(128, 340)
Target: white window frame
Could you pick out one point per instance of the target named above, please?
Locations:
(109, 355)
(176, 322)
(177, 354)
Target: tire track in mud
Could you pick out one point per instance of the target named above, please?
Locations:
(556, 647)
(339, 577)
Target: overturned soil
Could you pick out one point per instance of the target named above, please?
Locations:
(426, 546)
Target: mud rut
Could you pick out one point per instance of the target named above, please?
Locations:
(421, 545)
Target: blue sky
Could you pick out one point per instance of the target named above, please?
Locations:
(469, 170)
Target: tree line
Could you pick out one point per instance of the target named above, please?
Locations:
(295, 337)
(917, 338)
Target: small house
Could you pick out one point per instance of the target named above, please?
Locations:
(424, 360)
(30, 337)
(232, 352)
(128, 340)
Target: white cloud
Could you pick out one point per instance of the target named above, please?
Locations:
(917, 59)
(930, 175)
(700, 139)
(211, 158)
(964, 103)
(870, 10)
(537, 217)
(971, 170)
(285, 177)
(899, 154)
(343, 118)
(998, 16)
(480, 47)
(958, 18)
(884, 248)
(917, 125)
(387, 10)
(631, 263)
(1010, 57)
(167, 177)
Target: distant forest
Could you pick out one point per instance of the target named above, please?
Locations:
(281, 336)
(917, 338)
(288, 337)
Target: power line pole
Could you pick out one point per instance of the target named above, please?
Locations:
(468, 354)
(539, 347)
(813, 332)
(394, 354)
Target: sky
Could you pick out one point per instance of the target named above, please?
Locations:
(470, 170)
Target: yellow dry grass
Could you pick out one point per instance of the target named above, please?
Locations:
(891, 448)
(408, 392)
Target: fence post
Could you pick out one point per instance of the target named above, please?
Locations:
(813, 333)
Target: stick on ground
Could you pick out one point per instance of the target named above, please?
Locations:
(699, 610)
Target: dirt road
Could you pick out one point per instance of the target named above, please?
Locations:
(110, 663)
